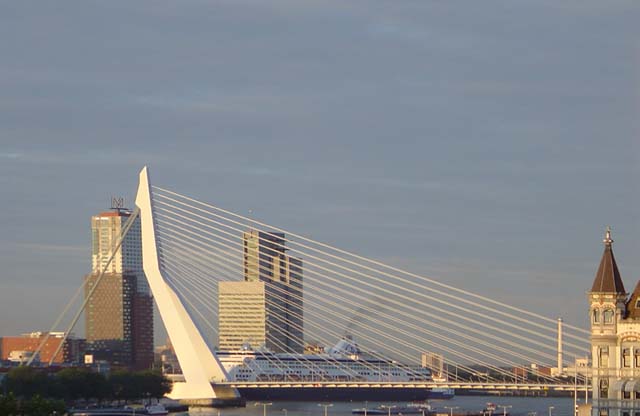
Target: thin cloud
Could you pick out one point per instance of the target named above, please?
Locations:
(13, 156)
(54, 248)
(98, 157)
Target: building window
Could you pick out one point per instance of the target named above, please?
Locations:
(604, 357)
(604, 388)
(626, 395)
(626, 357)
(596, 316)
(608, 316)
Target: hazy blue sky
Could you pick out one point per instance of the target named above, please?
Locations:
(483, 143)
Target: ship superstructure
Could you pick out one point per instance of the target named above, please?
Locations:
(343, 362)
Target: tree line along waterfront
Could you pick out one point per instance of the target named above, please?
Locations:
(35, 391)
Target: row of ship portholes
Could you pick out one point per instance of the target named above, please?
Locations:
(605, 316)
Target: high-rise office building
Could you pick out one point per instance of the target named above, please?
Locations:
(242, 315)
(119, 314)
(265, 309)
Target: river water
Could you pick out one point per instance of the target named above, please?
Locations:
(520, 406)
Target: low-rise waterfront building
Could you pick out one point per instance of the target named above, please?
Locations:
(21, 348)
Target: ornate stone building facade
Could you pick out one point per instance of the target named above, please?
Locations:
(615, 340)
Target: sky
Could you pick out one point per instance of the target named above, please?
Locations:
(483, 144)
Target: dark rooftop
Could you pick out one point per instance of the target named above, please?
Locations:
(608, 278)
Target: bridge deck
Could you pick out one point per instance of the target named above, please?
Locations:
(404, 385)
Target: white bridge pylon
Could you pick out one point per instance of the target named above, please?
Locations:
(199, 364)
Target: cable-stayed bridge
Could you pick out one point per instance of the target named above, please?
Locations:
(192, 248)
(218, 277)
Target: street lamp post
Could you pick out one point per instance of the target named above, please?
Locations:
(388, 409)
(504, 409)
(366, 403)
(550, 409)
(575, 386)
(264, 407)
(451, 409)
(587, 373)
(326, 406)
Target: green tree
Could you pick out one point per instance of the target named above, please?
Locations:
(153, 384)
(70, 384)
(38, 406)
(76, 383)
(126, 385)
(8, 405)
(97, 386)
(122, 386)
(27, 382)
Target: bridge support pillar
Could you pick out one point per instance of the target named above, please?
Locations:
(200, 366)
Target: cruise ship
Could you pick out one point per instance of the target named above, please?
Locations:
(344, 362)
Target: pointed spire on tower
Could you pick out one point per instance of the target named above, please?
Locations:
(608, 278)
(607, 237)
